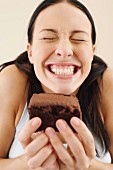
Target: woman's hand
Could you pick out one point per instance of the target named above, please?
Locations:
(38, 151)
(81, 148)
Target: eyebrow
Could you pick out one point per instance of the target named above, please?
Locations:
(72, 32)
(79, 31)
(50, 30)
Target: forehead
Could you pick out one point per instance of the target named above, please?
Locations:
(62, 16)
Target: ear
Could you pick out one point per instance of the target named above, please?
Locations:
(94, 48)
(29, 51)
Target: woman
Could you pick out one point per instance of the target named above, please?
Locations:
(61, 36)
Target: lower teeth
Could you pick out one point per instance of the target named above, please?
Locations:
(63, 74)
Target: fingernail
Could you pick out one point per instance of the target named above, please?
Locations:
(50, 132)
(61, 124)
(35, 122)
(34, 135)
(75, 121)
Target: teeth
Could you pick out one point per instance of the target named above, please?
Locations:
(62, 70)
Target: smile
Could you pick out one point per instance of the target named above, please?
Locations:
(63, 69)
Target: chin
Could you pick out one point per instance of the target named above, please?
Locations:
(66, 91)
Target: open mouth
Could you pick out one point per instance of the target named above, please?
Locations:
(63, 70)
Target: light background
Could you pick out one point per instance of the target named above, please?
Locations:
(15, 15)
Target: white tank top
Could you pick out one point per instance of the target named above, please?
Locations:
(17, 150)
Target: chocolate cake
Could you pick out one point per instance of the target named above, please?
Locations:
(51, 107)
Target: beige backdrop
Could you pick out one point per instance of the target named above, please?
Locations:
(15, 14)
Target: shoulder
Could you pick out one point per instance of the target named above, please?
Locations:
(12, 87)
(12, 80)
(107, 84)
(107, 77)
(11, 72)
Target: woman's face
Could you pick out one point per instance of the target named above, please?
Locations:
(62, 49)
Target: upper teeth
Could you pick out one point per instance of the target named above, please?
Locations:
(62, 70)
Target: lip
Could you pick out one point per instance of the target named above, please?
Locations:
(77, 68)
(62, 64)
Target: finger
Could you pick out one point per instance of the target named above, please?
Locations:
(74, 143)
(69, 150)
(26, 133)
(35, 134)
(61, 151)
(38, 143)
(85, 135)
(40, 157)
(51, 163)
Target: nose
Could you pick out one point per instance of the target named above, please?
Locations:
(64, 49)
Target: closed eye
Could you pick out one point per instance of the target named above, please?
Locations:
(77, 40)
(48, 38)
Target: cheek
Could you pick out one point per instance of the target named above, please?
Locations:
(85, 55)
(41, 53)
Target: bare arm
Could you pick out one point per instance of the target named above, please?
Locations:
(107, 111)
(107, 105)
(12, 164)
(12, 88)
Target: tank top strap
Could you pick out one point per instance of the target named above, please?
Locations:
(24, 118)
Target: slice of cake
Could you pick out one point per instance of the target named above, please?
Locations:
(51, 107)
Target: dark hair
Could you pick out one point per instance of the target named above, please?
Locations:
(89, 94)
